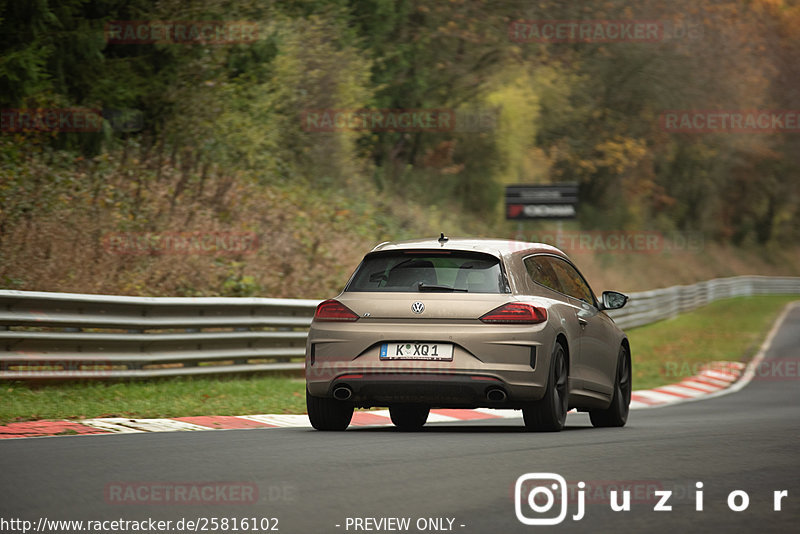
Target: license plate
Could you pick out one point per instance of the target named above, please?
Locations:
(417, 351)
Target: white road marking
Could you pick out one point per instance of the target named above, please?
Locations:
(656, 397)
(382, 413)
(282, 420)
(508, 414)
(710, 380)
(725, 377)
(677, 389)
(439, 418)
(699, 385)
(750, 371)
(144, 425)
(110, 425)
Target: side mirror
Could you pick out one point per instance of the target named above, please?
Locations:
(614, 300)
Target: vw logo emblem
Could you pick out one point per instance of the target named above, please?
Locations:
(418, 307)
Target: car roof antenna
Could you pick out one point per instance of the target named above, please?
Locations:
(443, 239)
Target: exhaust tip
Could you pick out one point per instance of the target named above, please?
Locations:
(496, 395)
(342, 393)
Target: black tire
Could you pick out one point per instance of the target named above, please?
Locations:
(616, 415)
(550, 413)
(409, 417)
(328, 414)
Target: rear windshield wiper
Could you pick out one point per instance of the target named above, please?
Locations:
(433, 287)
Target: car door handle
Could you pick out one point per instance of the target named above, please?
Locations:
(582, 321)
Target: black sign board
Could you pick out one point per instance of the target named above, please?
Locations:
(553, 201)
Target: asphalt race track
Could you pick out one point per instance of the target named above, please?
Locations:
(316, 482)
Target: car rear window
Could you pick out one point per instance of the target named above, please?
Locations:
(471, 272)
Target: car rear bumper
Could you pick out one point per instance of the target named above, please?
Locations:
(439, 390)
(512, 358)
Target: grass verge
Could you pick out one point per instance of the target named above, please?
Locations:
(727, 330)
(663, 353)
(167, 397)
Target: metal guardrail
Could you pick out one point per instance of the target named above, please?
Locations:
(65, 335)
(655, 305)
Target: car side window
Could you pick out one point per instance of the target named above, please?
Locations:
(571, 280)
(541, 272)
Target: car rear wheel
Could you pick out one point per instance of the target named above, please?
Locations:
(550, 413)
(328, 414)
(409, 417)
(616, 414)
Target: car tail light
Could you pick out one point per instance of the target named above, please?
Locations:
(333, 310)
(516, 313)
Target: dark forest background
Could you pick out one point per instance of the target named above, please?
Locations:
(208, 137)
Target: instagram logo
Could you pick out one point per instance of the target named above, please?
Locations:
(540, 493)
(541, 498)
